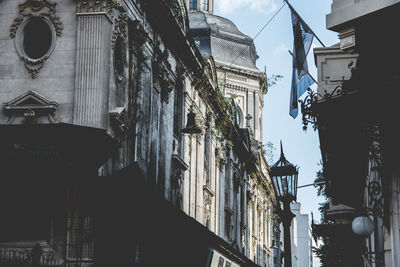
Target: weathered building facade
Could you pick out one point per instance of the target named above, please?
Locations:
(95, 96)
(239, 79)
(352, 109)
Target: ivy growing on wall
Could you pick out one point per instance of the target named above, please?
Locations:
(224, 118)
(176, 7)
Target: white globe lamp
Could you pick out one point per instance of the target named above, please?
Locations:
(362, 226)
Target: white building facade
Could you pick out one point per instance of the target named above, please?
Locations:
(302, 243)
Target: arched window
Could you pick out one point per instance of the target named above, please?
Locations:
(237, 115)
(193, 5)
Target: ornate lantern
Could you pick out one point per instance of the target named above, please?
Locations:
(284, 179)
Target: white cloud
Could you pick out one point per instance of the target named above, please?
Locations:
(230, 6)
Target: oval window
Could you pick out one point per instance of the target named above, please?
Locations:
(37, 38)
(119, 56)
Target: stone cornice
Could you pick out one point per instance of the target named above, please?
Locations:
(251, 73)
(97, 6)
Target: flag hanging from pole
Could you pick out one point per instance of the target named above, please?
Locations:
(302, 40)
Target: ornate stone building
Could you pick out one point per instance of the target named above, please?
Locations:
(247, 223)
(96, 169)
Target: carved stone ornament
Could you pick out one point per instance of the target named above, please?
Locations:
(93, 6)
(119, 120)
(41, 9)
(118, 43)
(207, 205)
(120, 28)
(163, 77)
(31, 107)
(220, 154)
(140, 35)
(177, 179)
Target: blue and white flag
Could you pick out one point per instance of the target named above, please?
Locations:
(301, 80)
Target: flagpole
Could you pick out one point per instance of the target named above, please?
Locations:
(292, 8)
(305, 70)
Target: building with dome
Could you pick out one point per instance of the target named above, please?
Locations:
(125, 142)
(234, 55)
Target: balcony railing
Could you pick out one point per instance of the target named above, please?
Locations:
(37, 256)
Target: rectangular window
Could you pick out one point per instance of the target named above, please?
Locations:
(193, 5)
(205, 5)
(80, 244)
(178, 109)
(207, 146)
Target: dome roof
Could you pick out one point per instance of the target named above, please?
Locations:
(219, 37)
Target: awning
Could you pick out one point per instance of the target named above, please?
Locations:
(76, 144)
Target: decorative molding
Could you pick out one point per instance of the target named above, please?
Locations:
(180, 163)
(97, 6)
(177, 179)
(220, 154)
(374, 187)
(35, 9)
(120, 33)
(31, 105)
(119, 28)
(163, 75)
(208, 189)
(119, 120)
(208, 195)
(236, 87)
(140, 36)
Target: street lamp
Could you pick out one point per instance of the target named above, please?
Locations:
(284, 179)
(191, 126)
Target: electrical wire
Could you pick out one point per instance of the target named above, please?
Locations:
(258, 33)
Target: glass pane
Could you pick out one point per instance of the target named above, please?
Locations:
(284, 185)
(193, 5)
(279, 182)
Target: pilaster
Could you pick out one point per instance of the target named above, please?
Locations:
(92, 64)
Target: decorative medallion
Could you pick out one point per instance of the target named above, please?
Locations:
(35, 30)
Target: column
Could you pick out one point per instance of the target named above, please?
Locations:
(92, 65)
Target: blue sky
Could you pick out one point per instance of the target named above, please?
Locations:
(300, 148)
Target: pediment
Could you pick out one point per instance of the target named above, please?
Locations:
(31, 105)
(30, 98)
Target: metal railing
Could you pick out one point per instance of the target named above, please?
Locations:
(38, 256)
